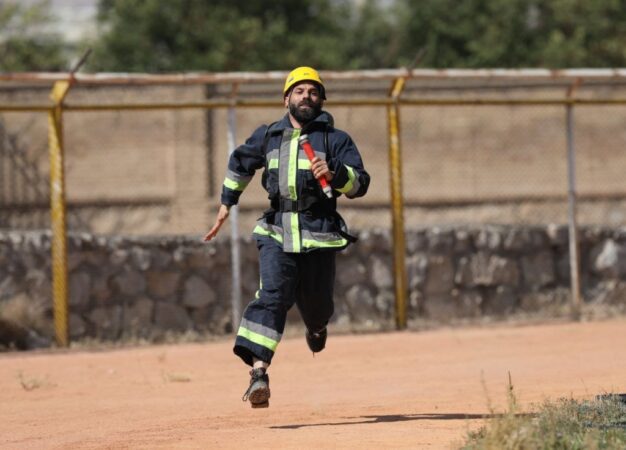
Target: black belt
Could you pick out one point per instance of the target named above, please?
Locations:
(288, 205)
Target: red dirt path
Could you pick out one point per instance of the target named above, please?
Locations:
(394, 390)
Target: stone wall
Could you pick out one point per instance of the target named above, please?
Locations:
(148, 287)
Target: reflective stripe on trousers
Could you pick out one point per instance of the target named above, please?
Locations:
(304, 279)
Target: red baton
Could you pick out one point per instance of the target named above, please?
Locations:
(310, 153)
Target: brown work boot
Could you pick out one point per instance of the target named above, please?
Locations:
(259, 390)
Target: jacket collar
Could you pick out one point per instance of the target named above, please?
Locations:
(323, 120)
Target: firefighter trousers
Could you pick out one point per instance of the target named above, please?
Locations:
(306, 279)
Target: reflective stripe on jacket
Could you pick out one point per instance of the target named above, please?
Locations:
(288, 176)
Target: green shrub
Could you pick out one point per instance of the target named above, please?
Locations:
(561, 424)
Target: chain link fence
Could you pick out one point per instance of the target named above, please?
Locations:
(159, 171)
(148, 159)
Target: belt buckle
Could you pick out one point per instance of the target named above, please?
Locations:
(286, 204)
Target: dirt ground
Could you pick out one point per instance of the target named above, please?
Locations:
(391, 390)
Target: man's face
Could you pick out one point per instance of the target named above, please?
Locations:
(304, 102)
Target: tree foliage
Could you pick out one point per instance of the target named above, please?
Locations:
(25, 45)
(226, 35)
(220, 35)
(151, 35)
(515, 33)
(373, 38)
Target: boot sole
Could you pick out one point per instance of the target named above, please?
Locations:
(260, 398)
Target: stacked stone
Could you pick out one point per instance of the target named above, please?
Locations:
(127, 287)
(25, 286)
(123, 287)
(474, 272)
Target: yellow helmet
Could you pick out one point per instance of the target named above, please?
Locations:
(303, 73)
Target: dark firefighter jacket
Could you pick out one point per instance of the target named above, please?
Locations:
(300, 218)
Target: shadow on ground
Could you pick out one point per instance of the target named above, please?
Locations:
(389, 418)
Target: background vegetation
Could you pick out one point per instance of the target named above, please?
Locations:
(26, 44)
(222, 35)
(566, 424)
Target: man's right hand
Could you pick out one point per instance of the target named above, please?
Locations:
(222, 215)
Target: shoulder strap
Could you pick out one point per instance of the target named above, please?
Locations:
(266, 136)
(266, 140)
(326, 141)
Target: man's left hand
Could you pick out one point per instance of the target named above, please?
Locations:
(319, 167)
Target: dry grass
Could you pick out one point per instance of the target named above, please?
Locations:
(561, 424)
(170, 377)
(32, 383)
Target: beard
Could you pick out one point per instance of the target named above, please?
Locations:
(305, 111)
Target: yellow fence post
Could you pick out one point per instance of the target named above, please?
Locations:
(57, 205)
(397, 204)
